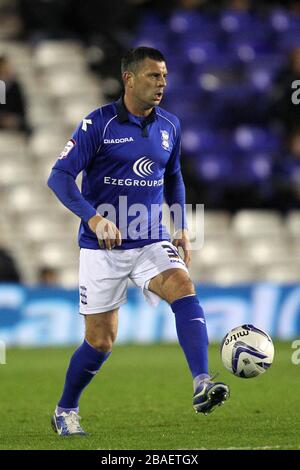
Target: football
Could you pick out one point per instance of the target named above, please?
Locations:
(247, 351)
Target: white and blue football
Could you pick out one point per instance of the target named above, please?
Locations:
(247, 351)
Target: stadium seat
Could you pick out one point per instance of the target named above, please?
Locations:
(253, 168)
(281, 273)
(48, 141)
(233, 20)
(253, 223)
(51, 53)
(13, 174)
(218, 250)
(57, 255)
(280, 19)
(150, 41)
(74, 110)
(42, 114)
(249, 42)
(293, 223)
(253, 138)
(151, 19)
(263, 253)
(22, 198)
(199, 52)
(214, 226)
(43, 228)
(68, 277)
(215, 167)
(227, 274)
(13, 142)
(182, 21)
(288, 40)
(195, 140)
(61, 84)
(216, 223)
(269, 64)
(19, 54)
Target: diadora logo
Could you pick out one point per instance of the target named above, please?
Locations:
(122, 140)
(143, 167)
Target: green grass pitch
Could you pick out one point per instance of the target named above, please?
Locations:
(141, 399)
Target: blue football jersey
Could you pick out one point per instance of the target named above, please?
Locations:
(124, 160)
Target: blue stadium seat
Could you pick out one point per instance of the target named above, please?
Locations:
(253, 168)
(261, 79)
(151, 41)
(182, 21)
(205, 33)
(215, 167)
(236, 102)
(177, 64)
(195, 140)
(255, 139)
(199, 52)
(247, 46)
(271, 63)
(282, 20)
(151, 22)
(288, 40)
(288, 169)
(233, 20)
(185, 102)
(263, 70)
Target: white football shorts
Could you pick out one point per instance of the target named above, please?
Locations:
(104, 274)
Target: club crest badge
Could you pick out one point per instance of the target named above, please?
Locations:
(165, 140)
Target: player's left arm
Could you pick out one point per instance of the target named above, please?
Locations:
(174, 191)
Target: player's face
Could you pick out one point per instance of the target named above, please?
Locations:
(149, 82)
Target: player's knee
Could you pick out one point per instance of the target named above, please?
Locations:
(182, 289)
(101, 344)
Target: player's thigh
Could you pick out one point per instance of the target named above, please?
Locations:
(101, 329)
(172, 284)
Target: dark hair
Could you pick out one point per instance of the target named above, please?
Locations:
(133, 57)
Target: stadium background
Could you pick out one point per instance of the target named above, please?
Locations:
(231, 65)
(230, 75)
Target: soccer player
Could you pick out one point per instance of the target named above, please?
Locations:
(129, 152)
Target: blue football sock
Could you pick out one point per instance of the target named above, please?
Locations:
(84, 364)
(192, 333)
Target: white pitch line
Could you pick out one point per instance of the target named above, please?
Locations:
(252, 448)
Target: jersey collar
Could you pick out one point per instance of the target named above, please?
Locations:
(122, 113)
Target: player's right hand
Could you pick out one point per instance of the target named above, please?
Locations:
(107, 232)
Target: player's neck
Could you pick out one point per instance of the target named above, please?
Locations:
(135, 108)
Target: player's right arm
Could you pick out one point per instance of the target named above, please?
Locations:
(77, 156)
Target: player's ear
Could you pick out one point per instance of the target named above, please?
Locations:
(128, 79)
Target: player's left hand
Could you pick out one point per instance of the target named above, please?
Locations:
(182, 239)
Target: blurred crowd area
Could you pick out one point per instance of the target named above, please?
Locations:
(231, 67)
